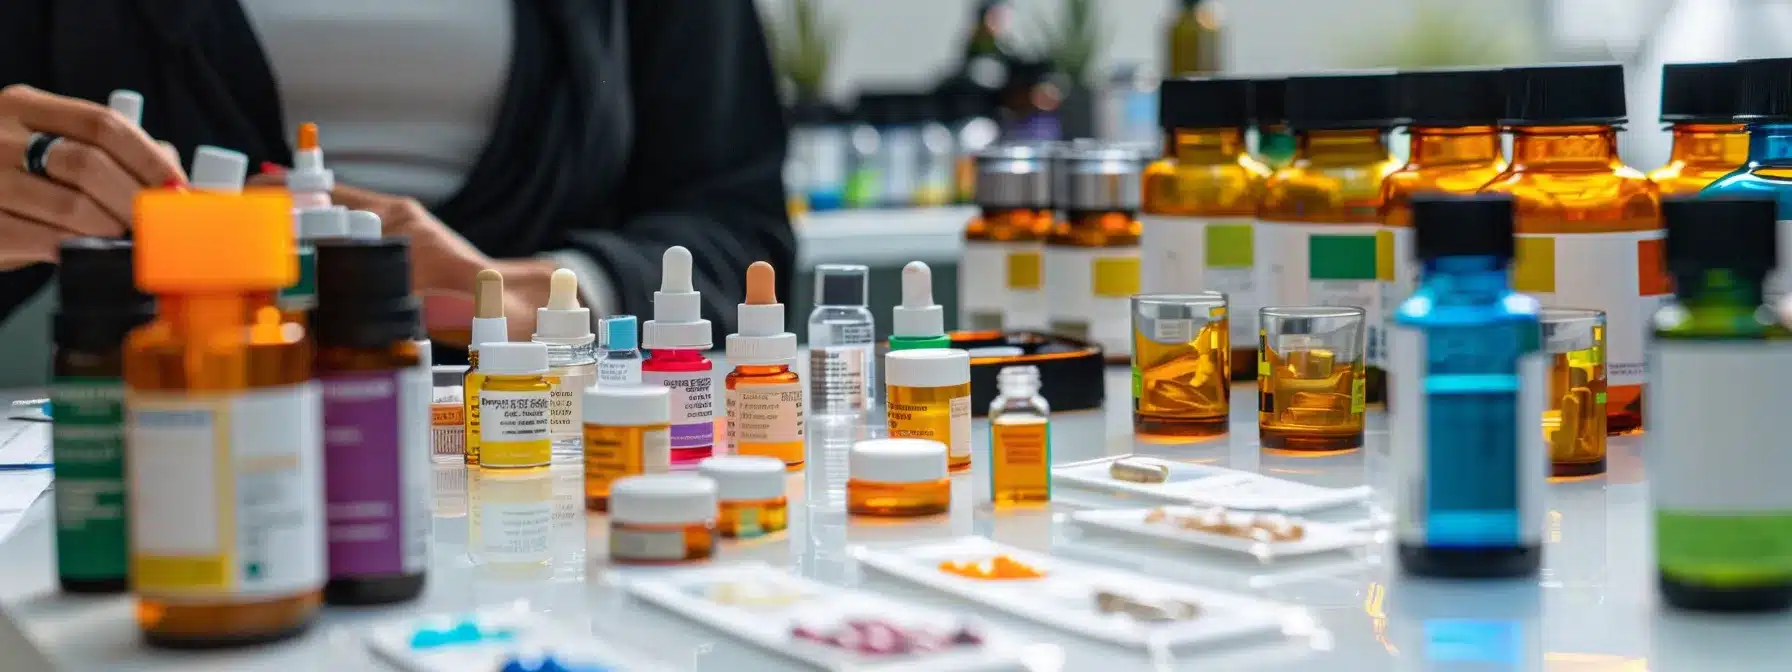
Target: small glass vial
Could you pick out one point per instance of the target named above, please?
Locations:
(842, 342)
(620, 363)
(898, 478)
(929, 397)
(1574, 425)
(565, 327)
(513, 406)
(1181, 388)
(627, 433)
(1020, 440)
(751, 493)
(660, 519)
(1310, 380)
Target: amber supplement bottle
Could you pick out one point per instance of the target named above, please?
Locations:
(222, 428)
(376, 442)
(1589, 228)
(1321, 214)
(763, 398)
(1000, 283)
(1092, 254)
(1699, 105)
(1020, 440)
(98, 304)
(1199, 224)
(1453, 134)
(627, 433)
(1271, 141)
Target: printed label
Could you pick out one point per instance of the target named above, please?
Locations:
(1020, 444)
(470, 404)
(693, 406)
(1090, 292)
(225, 492)
(515, 531)
(447, 422)
(630, 544)
(609, 455)
(1192, 254)
(948, 423)
(982, 289)
(1173, 331)
(375, 488)
(837, 373)
(1024, 304)
(1620, 273)
(1397, 276)
(87, 445)
(619, 371)
(765, 414)
(513, 428)
(1334, 265)
(565, 420)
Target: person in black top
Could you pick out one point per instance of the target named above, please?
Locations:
(620, 129)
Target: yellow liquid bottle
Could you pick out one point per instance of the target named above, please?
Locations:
(1020, 440)
(1092, 254)
(514, 405)
(1321, 214)
(1698, 101)
(224, 426)
(1198, 230)
(1589, 228)
(1454, 147)
(1001, 285)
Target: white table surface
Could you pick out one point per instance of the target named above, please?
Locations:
(1593, 607)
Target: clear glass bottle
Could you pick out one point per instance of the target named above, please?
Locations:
(842, 342)
(565, 328)
(1020, 440)
(1699, 103)
(620, 363)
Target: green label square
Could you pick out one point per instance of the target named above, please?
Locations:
(1333, 257)
(1229, 246)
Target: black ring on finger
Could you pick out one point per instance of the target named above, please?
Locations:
(37, 151)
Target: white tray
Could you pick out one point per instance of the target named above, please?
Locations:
(1319, 538)
(1064, 597)
(531, 634)
(685, 592)
(1211, 486)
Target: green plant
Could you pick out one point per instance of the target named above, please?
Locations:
(1439, 36)
(803, 42)
(1074, 40)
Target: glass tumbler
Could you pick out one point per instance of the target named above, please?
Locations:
(1181, 355)
(1310, 378)
(1574, 426)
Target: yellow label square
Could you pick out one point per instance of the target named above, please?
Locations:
(1024, 270)
(1384, 255)
(1357, 395)
(1535, 269)
(1115, 277)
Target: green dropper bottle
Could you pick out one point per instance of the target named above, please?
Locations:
(918, 323)
(1719, 372)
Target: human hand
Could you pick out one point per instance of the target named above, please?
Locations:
(89, 178)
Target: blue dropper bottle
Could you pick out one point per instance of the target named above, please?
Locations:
(620, 357)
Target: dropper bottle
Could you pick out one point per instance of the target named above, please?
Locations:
(676, 338)
(919, 322)
(565, 327)
(309, 181)
(489, 326)
(764, 397)
(621, 360)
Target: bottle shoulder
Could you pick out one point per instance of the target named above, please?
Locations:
(1423, 309)
(1218, 189)
(1677, 321)
(1303, 192)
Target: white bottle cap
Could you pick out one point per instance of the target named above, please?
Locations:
(926, 367)
(218, 169)
(761, 339)
(513, 359)
(128, 104)
(662, 499)
(563, 321)
(897, 461)
(918, 316)
(322, 223)
(677, 308)
(626, 405)
(364, 225)
(747, 477)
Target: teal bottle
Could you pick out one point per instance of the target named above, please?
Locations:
(1765, 104)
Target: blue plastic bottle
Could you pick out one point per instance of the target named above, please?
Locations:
(1766, 106)
(1468, 379)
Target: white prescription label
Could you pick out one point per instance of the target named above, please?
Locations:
(837, 376)
(565, 412)
(693, 405)
(513, 416)
(959, 412)
(647, 544)
(1090, 292)
(982, 291)
(1714, 444)
(619, 371)
(765, 413)
(1184, 255)
(1619, 273)
(226, 492)
(1393, 245)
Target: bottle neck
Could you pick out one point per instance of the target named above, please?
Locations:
(1436, 146)
(762, 369)
(1355, 145)
(1710, 144)
(1466, 280)
(1206, 145)
(1576, 147)
(676, 354)
(1770, 143)
(205, 313)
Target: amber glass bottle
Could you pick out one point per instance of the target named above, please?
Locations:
(1454, 147)
(1589, 228)
(1320, 215)
(1698, 103)
(222, 429)
(1198, 229)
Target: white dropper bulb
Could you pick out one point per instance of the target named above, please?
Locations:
(128, 104)
(218, 169)
(563, 321)
(677, 308)
(675, 271)
(918, 316)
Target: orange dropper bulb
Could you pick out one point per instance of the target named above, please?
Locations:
(307, 136)
(762, 284)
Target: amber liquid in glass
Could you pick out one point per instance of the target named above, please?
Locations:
(1702, 153)
(1307, 402)
(1183, 389)
(1574, 425)
(746, 377)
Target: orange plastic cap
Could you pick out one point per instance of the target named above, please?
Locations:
(194, 241)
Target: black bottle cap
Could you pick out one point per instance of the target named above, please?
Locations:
(1342, 101)
(1451, 97)
(1766, 90)
(364, 293)
(1462, 225)
(98, 300)
(1700, 92)
(1730, 232)
(1204, 102)
(1565, 95)
(1269, 101)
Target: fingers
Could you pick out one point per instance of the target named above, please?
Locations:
(29, 197)
(94, 173)
(91, 124)
(26, 242)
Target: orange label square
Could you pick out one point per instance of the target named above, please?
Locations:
(1652, 277)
